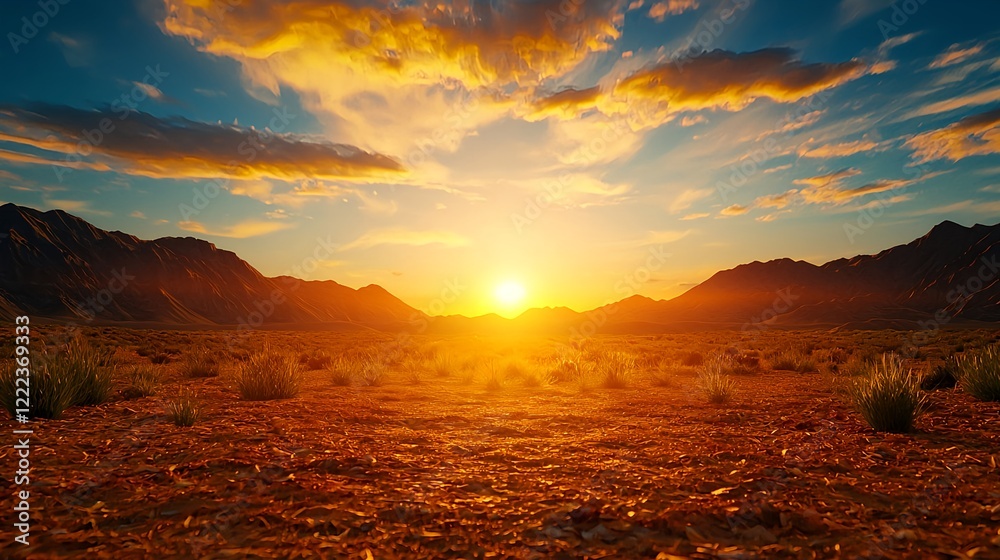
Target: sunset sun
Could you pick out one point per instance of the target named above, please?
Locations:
(509, 293)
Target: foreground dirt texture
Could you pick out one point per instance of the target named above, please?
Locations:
(448, 470)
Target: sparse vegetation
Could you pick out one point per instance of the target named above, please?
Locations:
(616, 370)
(372, 371)
(143, 381)
(268, 375)
(343, 372)
(794, 361)
(979, 373)
(200, 364)
(716, 383)
(888, 396)
(183, 410)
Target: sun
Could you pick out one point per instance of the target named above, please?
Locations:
(509, 293)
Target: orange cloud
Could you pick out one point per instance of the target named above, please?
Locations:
(713, 80)
(241, 230)
(389, 74)
(974, 135)
(734, 210)
(660, 10)
(829, 178)
(830, 193)
(141, 144)
(842, 149)
(955, 55)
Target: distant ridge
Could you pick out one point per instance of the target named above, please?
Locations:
(56, 265)
(53, 264)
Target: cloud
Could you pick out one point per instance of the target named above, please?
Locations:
(691, 120)
(77, 52)
(565, 104)
(80, 206)
(830, 193)
(720, 80)
(734, 210)
(971, 136)
(855, 10)
(137, 214)
(696, 216)
(778, 201)
(956, 54)
(660, 10)
(687, 198)
(829, 178)
(978, 98)
(155, 93)
(7, 175)
(384, 74)
(141, 144)
(991, 207)
(842, 149)
(241, 230)
(401, 236)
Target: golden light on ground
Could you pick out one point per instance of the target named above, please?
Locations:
(510, 294)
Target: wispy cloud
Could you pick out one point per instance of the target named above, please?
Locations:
(402, 236)
(971, 136)
(241, 230)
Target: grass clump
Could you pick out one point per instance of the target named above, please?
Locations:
(268, 375)
(51, 389)
(90, 370)
(888, 396)
(616, 369)
(200, 365)
(794, 361)
(979, 374)
(372, 371)
(443, 365)
(342, 372)
(715, 381)
(143, 381)
(183, 410)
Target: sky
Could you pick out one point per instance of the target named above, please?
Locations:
(489, 156)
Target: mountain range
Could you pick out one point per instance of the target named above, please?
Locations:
(58, 266)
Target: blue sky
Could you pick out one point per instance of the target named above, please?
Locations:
(496, 142)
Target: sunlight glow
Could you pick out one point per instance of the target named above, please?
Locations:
(510, 293)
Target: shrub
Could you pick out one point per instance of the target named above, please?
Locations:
(342, 372)
(90, 370)
(443, 365)
(565, 370)
(143, 381)
(268, 375)
(888, 396)
(718, 386)
(979, 374)
(494, 376)
(51, 389)
(794, 361)
(373, 371)
(200, 365)
(183, 410)
(616, 369)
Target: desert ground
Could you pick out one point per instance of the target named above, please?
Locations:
(505, 447)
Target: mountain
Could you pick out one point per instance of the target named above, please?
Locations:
(53, 264)
(952, 272)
